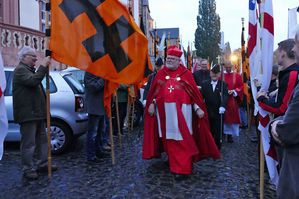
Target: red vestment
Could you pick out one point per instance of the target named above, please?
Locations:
(234, 81)
(193, 147)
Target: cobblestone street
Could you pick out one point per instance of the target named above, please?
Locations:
(235, 175)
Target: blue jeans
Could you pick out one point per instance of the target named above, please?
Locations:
(93, 137)
(243, 116)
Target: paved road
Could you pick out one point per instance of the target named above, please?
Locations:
(235, 175)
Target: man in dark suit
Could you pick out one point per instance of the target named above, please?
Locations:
(94, 93)
(211, 93)
(203, 74)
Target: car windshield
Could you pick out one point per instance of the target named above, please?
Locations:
(74, 84)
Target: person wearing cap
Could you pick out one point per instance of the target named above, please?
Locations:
(235, 88)
(158, 66)
(211, 93)
(176, 120)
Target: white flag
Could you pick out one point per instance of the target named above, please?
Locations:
(292, 22)
(3, 116)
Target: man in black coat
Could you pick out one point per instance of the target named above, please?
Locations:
(29, 107)
(94, 93)
(203, 74)
(158, 66)
(211, 93)
(285, 131)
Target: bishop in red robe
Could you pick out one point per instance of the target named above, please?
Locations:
(176, 120)
(235, 90)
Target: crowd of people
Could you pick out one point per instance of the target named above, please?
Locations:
(183, 115)
(187, 115)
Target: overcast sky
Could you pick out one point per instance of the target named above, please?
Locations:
(182, 14)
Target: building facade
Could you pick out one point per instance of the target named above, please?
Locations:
(22, 22)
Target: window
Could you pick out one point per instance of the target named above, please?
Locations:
(53, 88)
(75, 85)
(8, 90)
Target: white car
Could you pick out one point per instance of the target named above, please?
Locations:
(68, 115)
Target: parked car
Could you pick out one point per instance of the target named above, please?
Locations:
(138, 111)
(68, 115)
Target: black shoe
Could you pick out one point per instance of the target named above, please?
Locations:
(30, 174)
(101, 155)
(230, 139)
(93, 160)
(254, 139)
(180, 177)
(244, 127)
(45, 169)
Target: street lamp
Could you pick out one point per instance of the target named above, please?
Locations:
(233, 58)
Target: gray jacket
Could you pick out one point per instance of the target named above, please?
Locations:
(94, 94)
(29, 99)
(288, 132)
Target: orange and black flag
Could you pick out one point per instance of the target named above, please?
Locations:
(100, 37)
(245, 68)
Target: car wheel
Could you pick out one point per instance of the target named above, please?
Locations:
(61, 137)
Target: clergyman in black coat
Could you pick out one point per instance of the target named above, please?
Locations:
(211, 91)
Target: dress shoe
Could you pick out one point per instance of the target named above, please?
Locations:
(180, 177)
(230, 139)
(244, 127)
(106, 148)
(30, 174)
(44, 169)
(93, 160)
(101, 155)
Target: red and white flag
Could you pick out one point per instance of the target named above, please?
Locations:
(260, 51)
(3, 116)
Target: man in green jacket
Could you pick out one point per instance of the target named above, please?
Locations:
(29, 108)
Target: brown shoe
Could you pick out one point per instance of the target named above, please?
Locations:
(30, 174)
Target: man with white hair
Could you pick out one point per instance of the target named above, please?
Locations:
(285, 131)
(29, 107)
(176, 120)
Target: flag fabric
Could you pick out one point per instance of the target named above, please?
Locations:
(245, 69)
(100, 37)
(260, 51)
(3, 116)
(292, 22)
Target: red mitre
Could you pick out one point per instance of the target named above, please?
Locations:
(174, 51)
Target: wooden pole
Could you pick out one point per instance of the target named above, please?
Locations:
(262, 164)
(117, 116)
(128, 114)
(248, 117)
(111, 139)
(47, 40)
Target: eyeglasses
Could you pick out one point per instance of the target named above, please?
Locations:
(34, 56)
(171, 59)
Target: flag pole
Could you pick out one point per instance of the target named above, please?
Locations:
(48, 53)
(117, 116)
(111, 139)
(262, 165)
(128, 113)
